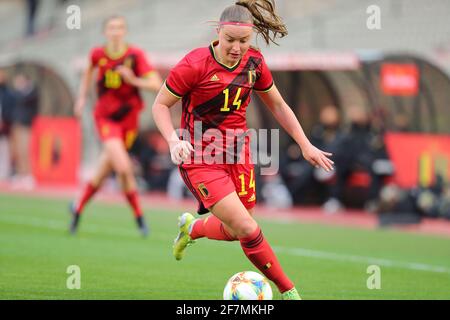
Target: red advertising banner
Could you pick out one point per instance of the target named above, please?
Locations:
(399, 79)
(55, 150)
(418, 158)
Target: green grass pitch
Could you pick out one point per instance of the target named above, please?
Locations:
(325, 262)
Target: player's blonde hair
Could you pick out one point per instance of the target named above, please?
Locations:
(259, 12)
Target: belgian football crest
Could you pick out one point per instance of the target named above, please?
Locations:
(102, 62)
(204, 192)
(251, 77)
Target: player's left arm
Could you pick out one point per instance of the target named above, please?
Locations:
(287, 119)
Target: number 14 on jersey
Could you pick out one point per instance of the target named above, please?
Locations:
(237, 102)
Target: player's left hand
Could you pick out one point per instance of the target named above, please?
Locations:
(318, 158)
(126, 73)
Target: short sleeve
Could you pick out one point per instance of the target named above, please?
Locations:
(181, 78)
(143, 65)
(94, 56)
(265, 81)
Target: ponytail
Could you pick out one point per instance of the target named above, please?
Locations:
(265, 20)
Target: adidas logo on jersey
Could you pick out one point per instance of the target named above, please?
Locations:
(214, 78)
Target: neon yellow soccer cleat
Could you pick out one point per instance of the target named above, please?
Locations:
(183, 239)
(291, 295)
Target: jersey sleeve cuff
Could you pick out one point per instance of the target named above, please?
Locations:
(149, 74)
(173, 92)
(266, 89)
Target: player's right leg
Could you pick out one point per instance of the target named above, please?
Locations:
(76, 208)
(208, 183)
(183, 238)
(106, 130)
(191, 229)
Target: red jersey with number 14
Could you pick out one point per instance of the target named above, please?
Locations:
(215, 94)
(116, 98)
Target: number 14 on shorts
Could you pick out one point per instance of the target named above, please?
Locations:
(251, 184)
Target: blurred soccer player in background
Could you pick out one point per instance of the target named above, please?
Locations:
(25, 111)
(214, 84)
(122, 71)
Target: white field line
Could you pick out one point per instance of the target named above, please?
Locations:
(301, 252)
(361, 259)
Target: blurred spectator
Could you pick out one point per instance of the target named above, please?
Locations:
(58, 12)
(32, 8)
(362, 149)
(432, 201)
(23, 114)
(6, 106)
(301, 178)
(153, 155)
(394, 199)
(274, 192)
(401, 122)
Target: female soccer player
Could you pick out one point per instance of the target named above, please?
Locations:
(122, 71)
(215, 85)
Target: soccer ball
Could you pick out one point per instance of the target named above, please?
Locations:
(247, 285)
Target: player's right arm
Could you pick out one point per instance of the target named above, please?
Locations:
(83, 91)
(179, 150)
(182, 78)
(86, 79)
(161, 113)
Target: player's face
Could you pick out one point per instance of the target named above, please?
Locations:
(115, 30)
(234, 42)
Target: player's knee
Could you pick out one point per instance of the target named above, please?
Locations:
(97, 182)
(123, 170)
(244, 228)
(122, 167)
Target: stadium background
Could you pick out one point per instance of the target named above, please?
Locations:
(330, 57)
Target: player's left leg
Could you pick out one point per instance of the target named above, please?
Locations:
(232, 213)
(122, 165)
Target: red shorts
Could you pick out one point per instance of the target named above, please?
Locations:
(211, 183)
(108, 129)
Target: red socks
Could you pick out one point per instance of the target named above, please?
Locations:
(132, 198)
(259, 252)
(255, 247)
(89, 191)
(211, 228)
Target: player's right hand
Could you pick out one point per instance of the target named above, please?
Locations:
(78, 108)
(180, 151)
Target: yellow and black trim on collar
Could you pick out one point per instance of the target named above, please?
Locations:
(115, 55)
(213, 53)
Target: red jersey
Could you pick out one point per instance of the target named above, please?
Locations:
(215, 94)
(116, 98)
